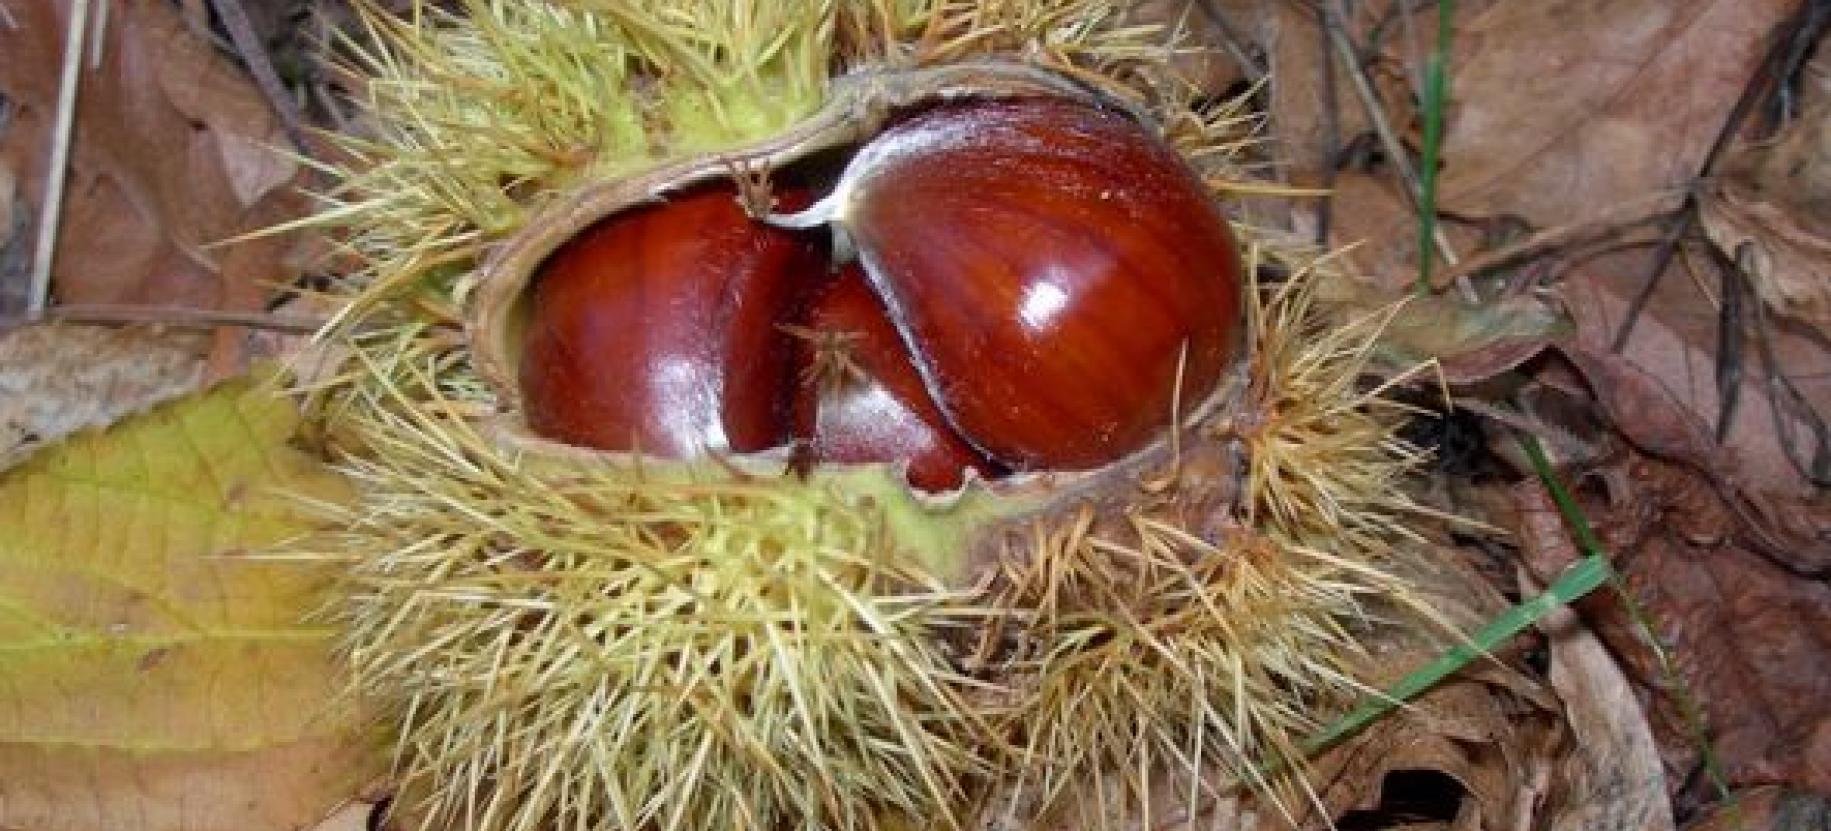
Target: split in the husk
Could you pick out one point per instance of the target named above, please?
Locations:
(577, 638)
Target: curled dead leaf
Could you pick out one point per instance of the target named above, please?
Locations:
(1475, 752)
(1791, 530)
(1611, 780)
(1468, 343)
(57, 379)
(1663, 390)
(1770, 210)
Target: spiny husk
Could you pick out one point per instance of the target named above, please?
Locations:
(596, 644)
(1324, 458)
(1159, 652)
(621, 643)
(589, 647)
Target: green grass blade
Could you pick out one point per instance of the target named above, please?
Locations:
(1578, 581)
(1567, 505)
(1436, 97)
(1688, 706)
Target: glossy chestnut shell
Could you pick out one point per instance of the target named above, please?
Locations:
(656, 330)
(1061, 277)
(1041, 284)
(861, 398)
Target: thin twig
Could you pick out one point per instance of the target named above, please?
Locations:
(1331, 134)
(1731, 337)
(254, 54)
(1782, 60)
(1668, 247)
(1603, 227)
(320, 93)
(98, 35)
(187, 317)
(1232, 41)
(1798, 410)
(1334, 20)
(61, 136)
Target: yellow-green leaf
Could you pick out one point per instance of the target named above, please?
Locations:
(154, 674)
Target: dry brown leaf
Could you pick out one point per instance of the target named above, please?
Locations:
(351, 817)
(1770, 210)
(57, 379)
(1645, 411)
(1490, 730)
(1795, 532)
(1750, 639)
(1466, 343)
(1668, 370)
(1783, 258)
(1300, 116)
(1373, 219)
(1612, 778)
(1768, 808)
(1560, 111)
(1475, 734)
(1791, 530)
(1564, 108)
(169, 159)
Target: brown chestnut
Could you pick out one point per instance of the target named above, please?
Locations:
(656, 330)
(861, 398)
(1050, 265)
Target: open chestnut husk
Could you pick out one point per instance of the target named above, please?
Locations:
(1062, 284)
(977, 498)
